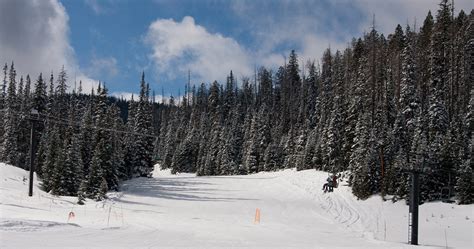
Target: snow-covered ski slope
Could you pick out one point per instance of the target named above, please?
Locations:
(185, 211)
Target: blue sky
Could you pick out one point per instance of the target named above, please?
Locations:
(115, 40)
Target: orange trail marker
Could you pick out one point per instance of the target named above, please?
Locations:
(71, 216)
(257, 216)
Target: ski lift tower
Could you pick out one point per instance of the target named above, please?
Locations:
(413, 207)
(34, 116)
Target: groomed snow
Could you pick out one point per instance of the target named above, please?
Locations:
(185, 211)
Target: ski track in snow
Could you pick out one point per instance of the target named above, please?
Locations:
(185, 211)
(333, 203)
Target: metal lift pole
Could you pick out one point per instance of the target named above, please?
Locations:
(414, 203)
(32, 151)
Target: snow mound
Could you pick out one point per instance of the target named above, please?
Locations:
(165, 173)
(9, 174)
(158, 172)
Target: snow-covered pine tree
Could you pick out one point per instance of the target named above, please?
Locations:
(423, 49)
(209, 165)
(61, 178)
(86, 139)
(129, 145)
(418, 159)
(3, 96)
(186, 154)
(101, 163)
(111, 161)
(225, 155)
(160, 149)
(185, 157)
(170, 143)
(362, 159)
(24, 124)
(8, 150)
(3, 89)
(353, 104)
(431, 188)
(118, 162)
(52, 149)
(288, 143)
(334, 140)
(309, 150)
(397, 42)
(236, 140)
(82, 192)
(440, 52)
(204, 129)
(143, 161)
(246, 128)
(300, 144)
(96, 172)
(313, 94)
(39, 104)
(22, 129)
(438, 111)
(101, 194)
(464, 181)
(251, 158)
(334, 130)
(273, 156)
(70, 171)
(327, 87)
(259, 140)
(61, 98)
(74, 156)
(40, 100)
(408, 96)
(359, 163)
(182, 132)
(40, 157)
(50, 102)
(293, 88)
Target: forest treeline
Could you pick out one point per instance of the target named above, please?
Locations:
(383, 105)
(83, 146)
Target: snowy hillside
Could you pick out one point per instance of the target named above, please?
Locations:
(184, 211)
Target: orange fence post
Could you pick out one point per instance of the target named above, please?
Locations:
(257, 216)
(71, 216)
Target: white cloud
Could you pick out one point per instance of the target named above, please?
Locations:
(34, 34)
(314, 46)
(101, 6)
(103, 66)
(306, 26)
(179, 46)
(390, 13)
(95, 6)
(310, 27)
(158, 98)
(125, 95)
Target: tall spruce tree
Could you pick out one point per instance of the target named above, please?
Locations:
(143, 161)
(8, 152)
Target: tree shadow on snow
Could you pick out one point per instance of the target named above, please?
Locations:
(20, 206)
(239, 177)
(187, 189)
